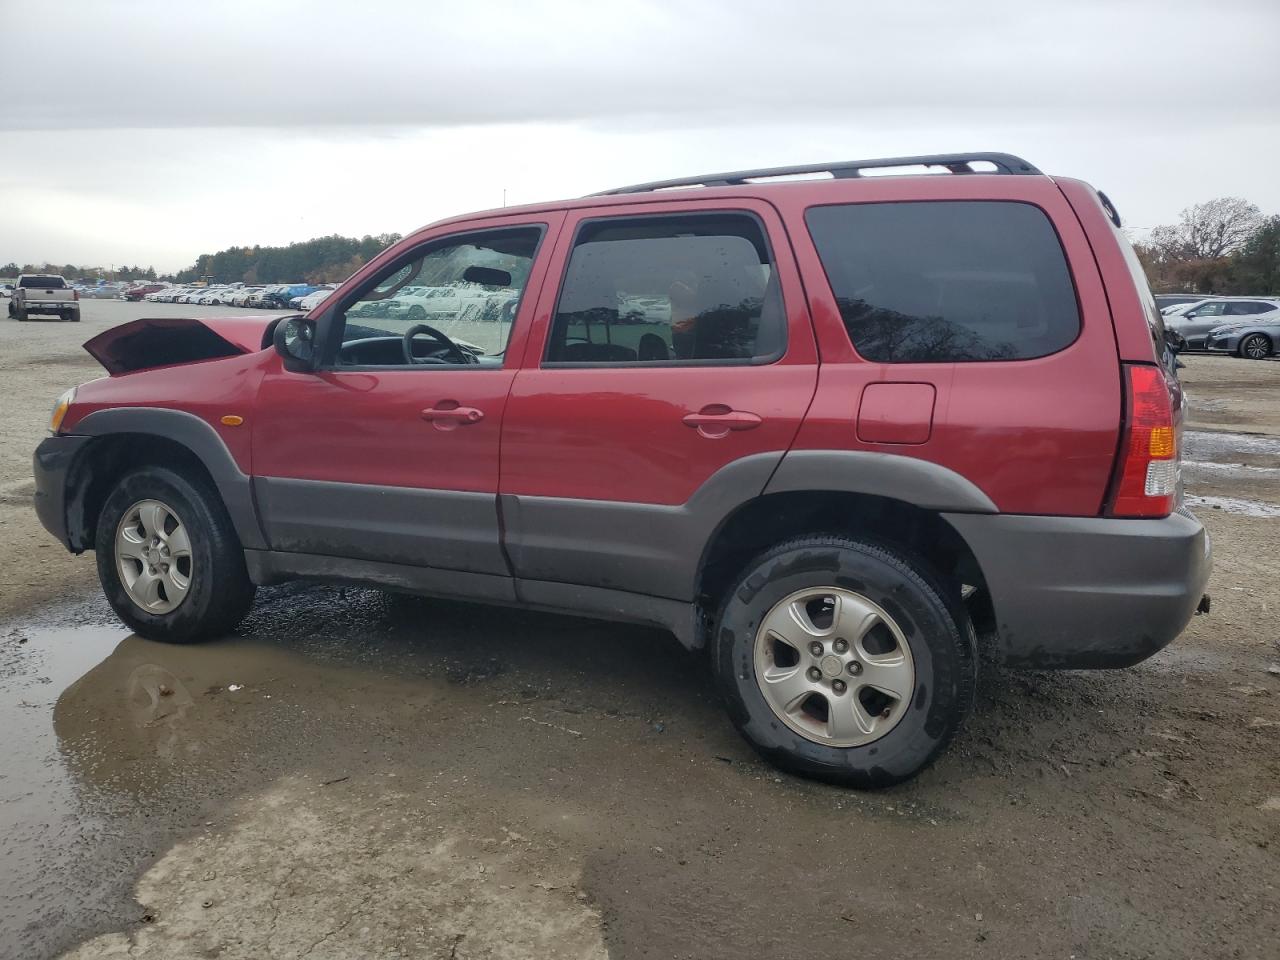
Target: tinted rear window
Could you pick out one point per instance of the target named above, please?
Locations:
(944, 281)
(45, 283)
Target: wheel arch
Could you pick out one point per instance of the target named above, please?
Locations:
(759, 523)
(126, 438)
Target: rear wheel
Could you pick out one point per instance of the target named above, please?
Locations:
(168, 558)
(844, 661)
(1256, 346)
(20, 314)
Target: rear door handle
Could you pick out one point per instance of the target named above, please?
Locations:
(449, 415)
(717, 420)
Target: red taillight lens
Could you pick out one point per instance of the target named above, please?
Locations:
(75, 294)
(1147, 475)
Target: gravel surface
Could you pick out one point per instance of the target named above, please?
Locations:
(363, 775)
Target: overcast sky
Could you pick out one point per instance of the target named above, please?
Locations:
(150, 132)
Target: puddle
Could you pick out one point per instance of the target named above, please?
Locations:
(1210, 445)
(41, 816)
(1236, 505)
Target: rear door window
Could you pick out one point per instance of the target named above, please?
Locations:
(697, 289)
(947, 281)
(1247, 308)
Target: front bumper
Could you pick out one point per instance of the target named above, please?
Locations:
(1088, 592)
(52, 462)
(1227, 343)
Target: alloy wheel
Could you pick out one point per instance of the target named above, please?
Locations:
(153, 556)
(1255, 348)
(834, 666)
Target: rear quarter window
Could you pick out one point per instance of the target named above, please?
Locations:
(947, 281)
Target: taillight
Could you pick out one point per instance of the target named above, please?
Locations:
(75, 294)
(1147, 474)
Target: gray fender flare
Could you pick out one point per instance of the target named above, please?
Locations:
(896, 477)
(202, 440)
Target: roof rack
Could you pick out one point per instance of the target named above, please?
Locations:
(1004, 163)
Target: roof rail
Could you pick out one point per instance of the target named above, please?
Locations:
(1005, 164)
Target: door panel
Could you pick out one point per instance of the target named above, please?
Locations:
(349, 467)
(603, 465)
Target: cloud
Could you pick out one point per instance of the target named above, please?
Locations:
(716, 62)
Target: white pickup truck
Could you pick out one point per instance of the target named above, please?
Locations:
(39, 293)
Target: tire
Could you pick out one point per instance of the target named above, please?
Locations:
(219, 592)
(20, 314)
(74, 316)
(934, 641)
(1256, 346)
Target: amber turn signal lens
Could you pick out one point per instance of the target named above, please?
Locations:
(231, 420)
(60, 409)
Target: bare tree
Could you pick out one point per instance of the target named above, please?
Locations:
(1209, 230)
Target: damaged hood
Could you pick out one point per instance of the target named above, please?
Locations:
(163, 342)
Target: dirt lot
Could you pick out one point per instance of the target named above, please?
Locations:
(359, 775)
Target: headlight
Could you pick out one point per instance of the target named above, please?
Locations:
(60, 410)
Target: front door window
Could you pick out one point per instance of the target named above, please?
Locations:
(452, 304)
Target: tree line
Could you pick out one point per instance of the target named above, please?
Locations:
(1224, 246)
(73, 272)
(322, 260)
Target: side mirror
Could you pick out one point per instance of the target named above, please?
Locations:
(295, 341)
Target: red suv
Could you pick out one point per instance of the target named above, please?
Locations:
(830, 429)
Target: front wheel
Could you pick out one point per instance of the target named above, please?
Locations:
(1256, 346)
(168, 558)
(844, 661)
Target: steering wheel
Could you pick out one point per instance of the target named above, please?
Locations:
(452, 350)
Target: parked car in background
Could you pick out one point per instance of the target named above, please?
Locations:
(41, 294)
(1194, 323)
(1164, 300)
(313, 300)
(876, 419)
(241, 297)
(139, 291)
(1253, 338)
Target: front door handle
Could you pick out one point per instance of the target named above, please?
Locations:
(717, 420)
(447, 415)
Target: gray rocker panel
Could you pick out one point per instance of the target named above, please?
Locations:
(445, 529)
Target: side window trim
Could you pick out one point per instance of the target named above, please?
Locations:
(331, 334)
(572, 238)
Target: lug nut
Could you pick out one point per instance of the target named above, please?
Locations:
(855, 668)
(838, 686)
(815, 674)
(815, 648)
(841, 646)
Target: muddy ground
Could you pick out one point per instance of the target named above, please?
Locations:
(361, 775)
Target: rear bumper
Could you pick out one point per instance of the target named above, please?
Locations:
(51, 463)
(1088, 592)
(50, 306)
